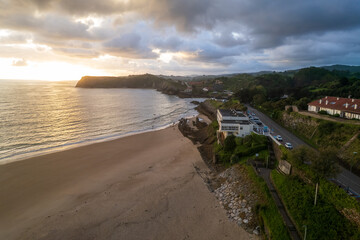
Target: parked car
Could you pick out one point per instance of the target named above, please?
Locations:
(288, 145)
(253, 114)
(278, 137)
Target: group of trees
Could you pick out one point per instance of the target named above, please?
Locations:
(322, 164)
(301, 86)
(235, 148)
(319, 203)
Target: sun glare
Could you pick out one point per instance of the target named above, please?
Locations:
(50, 71)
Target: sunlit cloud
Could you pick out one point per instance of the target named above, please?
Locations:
(175, 37)
(19, 63)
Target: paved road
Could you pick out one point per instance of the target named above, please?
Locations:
(345, 177)
(277, 129)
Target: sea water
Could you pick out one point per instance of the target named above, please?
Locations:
(38, 117)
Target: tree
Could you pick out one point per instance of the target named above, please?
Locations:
(302, 154)
(229, 143)
(324, 165)
(259, 99)
(302, 103)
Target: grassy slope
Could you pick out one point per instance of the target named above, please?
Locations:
(267, 209)
(322, 133)
(324, 221)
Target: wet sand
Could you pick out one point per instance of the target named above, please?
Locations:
(138, 187)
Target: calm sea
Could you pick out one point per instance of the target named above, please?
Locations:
(37, 117)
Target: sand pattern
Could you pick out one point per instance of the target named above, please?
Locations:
(145, 186)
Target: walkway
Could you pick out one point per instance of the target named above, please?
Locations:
(330, 118)
(265, 174)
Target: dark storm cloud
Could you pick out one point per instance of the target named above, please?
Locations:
(129, 45)
(210, 31)
(172, 43)
(51, 26)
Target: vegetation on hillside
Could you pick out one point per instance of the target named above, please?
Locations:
(236, 149)
(334, 207)
(267, 210)
(323, 220)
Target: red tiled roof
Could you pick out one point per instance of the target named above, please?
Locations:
(196, 83)
(337, 103)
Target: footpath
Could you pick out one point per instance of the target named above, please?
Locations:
(265, 174)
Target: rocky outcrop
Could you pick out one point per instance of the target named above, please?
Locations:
(146, 81)
(149, 81)
(207, 109)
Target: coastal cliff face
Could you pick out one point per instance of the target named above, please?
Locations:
(149, 81)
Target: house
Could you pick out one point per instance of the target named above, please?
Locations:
(188, 90)
(344, 107)
(233, 122)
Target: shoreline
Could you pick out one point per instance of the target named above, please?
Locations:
(129, 188)
(68, 146)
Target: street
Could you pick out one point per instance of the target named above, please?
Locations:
(345, 177)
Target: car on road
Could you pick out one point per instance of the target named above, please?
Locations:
(278, 137)
(253, 114)
(288, 145)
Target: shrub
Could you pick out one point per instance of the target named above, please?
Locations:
(323, 112)
(229, 143)
(234, 159)
(299, 200)
(326, 127)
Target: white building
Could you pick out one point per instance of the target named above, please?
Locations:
(345, 107)
(232, 122)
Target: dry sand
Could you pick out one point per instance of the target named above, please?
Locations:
(138, 187)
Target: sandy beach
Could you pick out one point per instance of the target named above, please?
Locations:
(138, 187)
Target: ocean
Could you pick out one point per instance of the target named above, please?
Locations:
(38, 117)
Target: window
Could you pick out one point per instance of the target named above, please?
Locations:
(241, 128)
(229, 128)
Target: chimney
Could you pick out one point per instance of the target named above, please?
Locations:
(326, 97)
(320, 101)
(337, 98)
(355, 106)
(346, 105)
(326, 102)
(352, 100)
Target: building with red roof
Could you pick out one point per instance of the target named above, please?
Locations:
(345, 107)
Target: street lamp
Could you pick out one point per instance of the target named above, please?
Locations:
(305, 231)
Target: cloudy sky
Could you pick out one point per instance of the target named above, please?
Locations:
(66, 39)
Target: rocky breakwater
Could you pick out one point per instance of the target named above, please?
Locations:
(237, 198)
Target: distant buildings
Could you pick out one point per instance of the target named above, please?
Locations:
(232, 122)
(344, 107)
(188, 90)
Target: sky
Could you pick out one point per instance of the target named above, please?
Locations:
(67, 39)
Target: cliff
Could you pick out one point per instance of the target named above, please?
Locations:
(149, 81)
